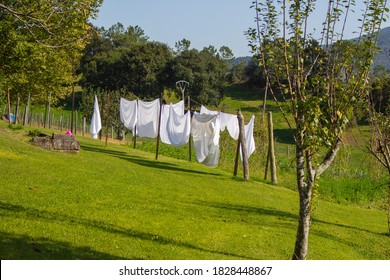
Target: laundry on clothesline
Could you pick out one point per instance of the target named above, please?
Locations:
(250, 141)
(228, 121)
(176, 127)
(129, 113)
(96, 122)
(179, 109)
(205, 130)
(148, 118)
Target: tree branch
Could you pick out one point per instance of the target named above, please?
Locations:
(330, 156)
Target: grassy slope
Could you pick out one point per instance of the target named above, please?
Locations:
(115, 202)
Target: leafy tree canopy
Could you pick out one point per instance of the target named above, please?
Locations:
(41, 43)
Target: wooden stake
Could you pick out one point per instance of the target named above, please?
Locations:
(271, 149)
(266, 166)
(159, 124)
(107, 112)
(189, 139)
(135, 137)
(236, 159)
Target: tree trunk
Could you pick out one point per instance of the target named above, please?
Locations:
(9, 107)
(304, 189)
(26, 110)
(17, 109)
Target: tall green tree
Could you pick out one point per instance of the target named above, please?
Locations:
(139, 68)
(321, 86)
(205, 70)
(41, 43)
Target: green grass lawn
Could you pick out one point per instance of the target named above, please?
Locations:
(118, 203)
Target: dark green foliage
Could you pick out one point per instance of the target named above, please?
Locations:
(124, 60)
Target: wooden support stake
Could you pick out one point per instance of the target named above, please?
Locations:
(236, 159)
(271, 148)
(244, 149)
(135, 137)
(189, 139)
(266, 166)
(159, 125)
(107, 112)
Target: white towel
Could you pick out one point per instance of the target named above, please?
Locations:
(96, 122)
(148, 118)
(128, 113)
(204, 110)
(205, 133)
(230, 122)
(250, 141)
(179, 109)
(178, 127)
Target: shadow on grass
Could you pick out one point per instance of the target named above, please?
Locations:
(24, 247)
(11, 210)
(250, 209)
(277, 213)
(145, 162)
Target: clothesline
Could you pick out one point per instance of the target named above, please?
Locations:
(173, 126)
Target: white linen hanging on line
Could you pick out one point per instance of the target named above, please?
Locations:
(179, 109)
(250, 141)
(204, 110)
(96, 122)
(228, 121)
(128, 113)
(205, 132)
(148, 118)
(178, 127)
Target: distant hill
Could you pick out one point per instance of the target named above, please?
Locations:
(383, 58)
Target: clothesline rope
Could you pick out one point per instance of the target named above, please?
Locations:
(175, 128)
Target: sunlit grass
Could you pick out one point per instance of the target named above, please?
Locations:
(119, 203)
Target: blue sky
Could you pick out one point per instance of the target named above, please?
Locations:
(203, 22)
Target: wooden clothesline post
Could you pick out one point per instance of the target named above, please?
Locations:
(189, 139)
(135, 137)
(158, 129)
(107, 112)
(271, 161)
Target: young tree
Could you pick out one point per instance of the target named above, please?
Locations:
(378, 104)
(321, 83)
